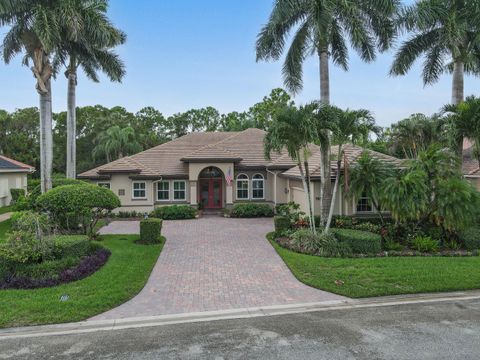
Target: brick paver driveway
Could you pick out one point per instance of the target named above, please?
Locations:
(214, 263)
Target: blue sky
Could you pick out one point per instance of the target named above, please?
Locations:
(187, 54)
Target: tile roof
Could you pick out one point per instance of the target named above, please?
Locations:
(352, 153)
(10, 164)
(244, 147)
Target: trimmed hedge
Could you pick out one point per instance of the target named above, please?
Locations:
(282, 224)
(247, 210)
(35, 188)
(71, 246)
(361, 242)
(471, 238)
(150, 231)
(174, 212)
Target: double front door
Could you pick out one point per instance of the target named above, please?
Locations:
(211, 193)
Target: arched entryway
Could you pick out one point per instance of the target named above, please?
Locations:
(210, 188)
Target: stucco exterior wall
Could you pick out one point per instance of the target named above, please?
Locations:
(475, 182)
(11, 180)
(268, 186)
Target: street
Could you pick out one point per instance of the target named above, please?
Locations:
(446, 330)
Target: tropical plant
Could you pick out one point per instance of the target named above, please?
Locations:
(87, 39)
(349, 126)
(115, 143)
(34, 31)
(323, 28)
(463, 121)
(290, 131)
(367, 178)
(446, 34)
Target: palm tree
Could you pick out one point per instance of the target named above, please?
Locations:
(34, 31)
(115, 143)
(350, 126)
(463, 121)
(289, 131)
(88, 37)
(325, 28)
(446, 33)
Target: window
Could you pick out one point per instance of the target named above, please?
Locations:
(163, 191)
(258, 186)
(121, 192)
(179, 192)
(106, 185)
(242, 186)
(139, 190)
(364, 204)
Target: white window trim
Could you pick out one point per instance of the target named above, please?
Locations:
(237, 180)
(164, 200)
(355, 210)
(263, 187)
(133, 190)
(100, 183)
(184, 190)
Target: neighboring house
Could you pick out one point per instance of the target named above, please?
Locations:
(470, 167)
(214, 170)
(13, 175)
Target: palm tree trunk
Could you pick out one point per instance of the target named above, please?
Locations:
(307, 194)
(335, 189)
(310, 205)
(325, 171)
(71, 120)
(46, 143)
(458, 96)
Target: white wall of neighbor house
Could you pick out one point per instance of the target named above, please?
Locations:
(475, 181)
(11, 180)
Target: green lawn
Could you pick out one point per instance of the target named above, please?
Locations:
(121, 278)
(5, 209)
(384, 276)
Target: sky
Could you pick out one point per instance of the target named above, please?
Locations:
(186, 54)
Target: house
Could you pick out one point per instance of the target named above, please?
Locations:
(214, 170)
(470, 166)
(13, 175)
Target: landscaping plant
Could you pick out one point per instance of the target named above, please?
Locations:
(248, 210)
(174, 212)
(150, 231)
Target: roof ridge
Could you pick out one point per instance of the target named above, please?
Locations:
(218, 143)
(16, 162)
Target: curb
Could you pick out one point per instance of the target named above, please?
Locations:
(149, 321)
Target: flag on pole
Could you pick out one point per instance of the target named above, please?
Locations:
(229, 176)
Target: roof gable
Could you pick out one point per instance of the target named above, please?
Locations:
(7, 164)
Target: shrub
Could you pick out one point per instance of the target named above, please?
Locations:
(17, 194)
(35, 189)
(174, 212)
(150, 231)
(471, 238)
(71, 246)
(367, 226)
(127, 214)
(390, 245)
(282, 224)
(31, 222)
(25, 247)
(305, 241)
(361, 242)
(82, 205)
(425, 244)
(247, 210)
(290, 210)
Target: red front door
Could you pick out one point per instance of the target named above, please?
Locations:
(211, 193)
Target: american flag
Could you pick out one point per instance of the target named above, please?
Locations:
(229, 176)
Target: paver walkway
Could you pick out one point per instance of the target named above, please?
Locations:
(214, 263)
(5, 217)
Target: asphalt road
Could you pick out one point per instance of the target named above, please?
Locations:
(449, 330)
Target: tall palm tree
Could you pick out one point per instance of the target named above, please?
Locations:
(88, 37)
(350, 126)
(445, 32)
(290, 131)
(115, 143)
(325, 28)
(34, 31)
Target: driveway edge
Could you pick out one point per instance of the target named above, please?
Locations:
(139, 322)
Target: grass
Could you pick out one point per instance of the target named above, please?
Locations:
(6, 209)
(370, 277)
(120, 279)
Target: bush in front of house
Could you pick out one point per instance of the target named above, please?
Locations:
(35, 189)
(31, 222)
(78, 207)
(361, 242)
(174, 212)
(247, 210)
(17, 195)
(425, 244)
(282, 224)
(471, 238)
(150, 231)
(321, 244)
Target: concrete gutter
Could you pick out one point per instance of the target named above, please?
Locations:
(140, 322)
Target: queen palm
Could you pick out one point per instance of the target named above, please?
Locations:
(88, 37)
(325, 28)
(34, 31)
(445, 32)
